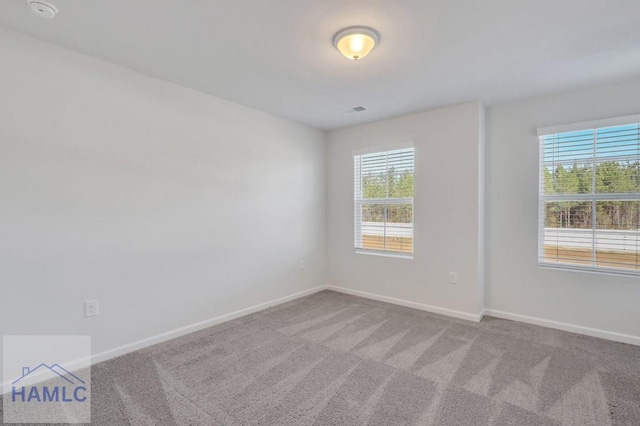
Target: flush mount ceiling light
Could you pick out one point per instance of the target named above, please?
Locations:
(356, 42)
(43, 8)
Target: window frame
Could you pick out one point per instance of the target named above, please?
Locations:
(594, 197)
(360, 202)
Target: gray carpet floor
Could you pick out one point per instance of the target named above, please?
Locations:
(334, 359)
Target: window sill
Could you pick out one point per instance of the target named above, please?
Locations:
(590, 270)
(384, 254)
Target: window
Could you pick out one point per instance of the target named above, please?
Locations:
(590, 197)
(384, 202)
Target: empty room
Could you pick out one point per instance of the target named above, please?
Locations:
(327, 212)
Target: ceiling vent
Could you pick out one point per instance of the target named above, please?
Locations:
(43, 8)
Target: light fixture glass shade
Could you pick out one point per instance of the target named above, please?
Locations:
(356, 42)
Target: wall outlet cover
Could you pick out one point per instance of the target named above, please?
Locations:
(90, 308)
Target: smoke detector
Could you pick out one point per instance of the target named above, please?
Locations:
(43, 8)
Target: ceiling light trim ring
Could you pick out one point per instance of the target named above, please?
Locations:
(356, 29)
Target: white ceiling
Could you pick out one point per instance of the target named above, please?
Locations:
(277, 56)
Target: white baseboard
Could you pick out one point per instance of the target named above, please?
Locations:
(415, 305)
(594, 332)
(182, 331)
(178, 332)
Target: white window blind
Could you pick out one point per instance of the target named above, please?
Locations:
(589, 214)
(383, 213)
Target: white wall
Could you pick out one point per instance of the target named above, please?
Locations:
(172, 207)
(515, 284)
(168, 205)
(448, 199)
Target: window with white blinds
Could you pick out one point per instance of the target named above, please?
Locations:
(590, 199)
(384, 201)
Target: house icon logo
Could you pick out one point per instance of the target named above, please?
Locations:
(56, 369)
(56, 384)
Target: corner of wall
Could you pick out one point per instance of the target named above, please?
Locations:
(481, 207)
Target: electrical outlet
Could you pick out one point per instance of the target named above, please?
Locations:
(453, 277)
(90, 308)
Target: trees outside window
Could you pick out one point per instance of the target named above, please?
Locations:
(383, 205)
(590, 199)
